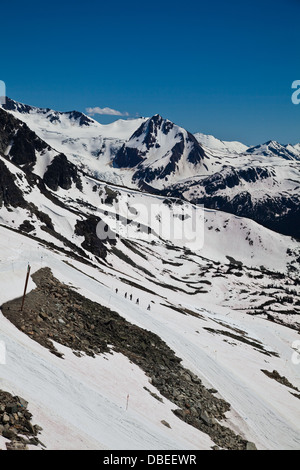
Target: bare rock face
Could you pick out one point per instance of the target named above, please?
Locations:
(18, 142)
(61, 173)
(10, 194)
(16, 423)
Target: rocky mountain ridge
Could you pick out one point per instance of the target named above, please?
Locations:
(259, 182)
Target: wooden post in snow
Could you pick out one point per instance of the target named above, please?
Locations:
(25, 288)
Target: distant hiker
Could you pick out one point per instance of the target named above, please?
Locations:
(130, 296)
(125, 295)
(148, 307)
(137, 301)
(116, 290)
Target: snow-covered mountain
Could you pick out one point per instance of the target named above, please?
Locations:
(161, 153)
(261, 183)
(150, 322)
(154, 154)
(273, 148)
(63, 119)
(218, 145)
(266, 193)
(86, 143)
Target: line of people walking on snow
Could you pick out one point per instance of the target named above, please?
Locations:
(130, 298)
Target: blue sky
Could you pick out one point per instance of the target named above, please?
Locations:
(221, 68)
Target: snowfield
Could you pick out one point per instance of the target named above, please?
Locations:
(100, 403)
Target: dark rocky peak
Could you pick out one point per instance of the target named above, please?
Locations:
(11, 105)
(150, 130)
(82, 119)
(51, 115)
(158, 134)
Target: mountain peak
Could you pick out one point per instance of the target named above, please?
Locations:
(53, 116)
(160, 150)
(274, 148)
(12, 105)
